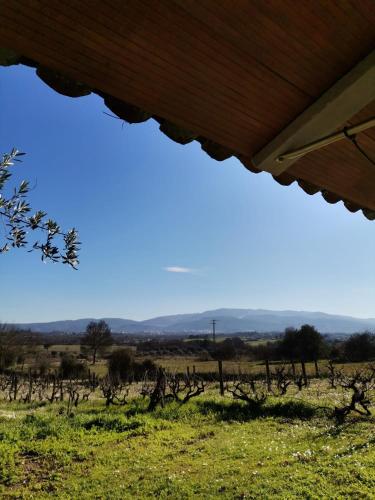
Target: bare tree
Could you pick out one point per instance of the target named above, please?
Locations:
(173, 387)
(333, 374)
(157, 395)
(97, 338)
(253, 392)
(183, 388)
(77, 391)
(361, 383)
(283, 379)
(299, 381)
(114, 390)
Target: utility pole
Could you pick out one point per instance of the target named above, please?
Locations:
(213, 323)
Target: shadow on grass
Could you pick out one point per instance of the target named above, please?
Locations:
(218, 410)
(350, 423)
(112, 423)
(240, 412)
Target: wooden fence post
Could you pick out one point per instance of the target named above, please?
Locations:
(303, 366)
(220, 365)
(316, 369)
(268, 376)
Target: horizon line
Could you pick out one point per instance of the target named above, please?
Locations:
(191, 313)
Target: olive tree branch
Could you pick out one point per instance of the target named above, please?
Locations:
(15, 210)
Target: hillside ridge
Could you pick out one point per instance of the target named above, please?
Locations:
(229, 320)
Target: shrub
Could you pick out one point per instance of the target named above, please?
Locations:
(224, 350)
(146, 367)
(360, 347)
(70, 367)
(122, 365)
(43, 365)
(7, 358)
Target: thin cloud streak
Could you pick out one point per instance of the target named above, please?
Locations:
(178, 269)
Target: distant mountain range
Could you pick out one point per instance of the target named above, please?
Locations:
(228, 321)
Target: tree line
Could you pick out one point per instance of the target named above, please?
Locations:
(304, 344)
(307, 344)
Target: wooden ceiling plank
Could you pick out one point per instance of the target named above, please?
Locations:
(242, 119)
(351, 178)
(328, 35)
(346, 98)
(227, 91)
(349, 165)
(80, 61)
(234, 124)
(78, 71)
(245, 33)
(194, 42)
(257, 31)
(168, 58)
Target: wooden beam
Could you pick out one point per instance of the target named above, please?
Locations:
(336, 106)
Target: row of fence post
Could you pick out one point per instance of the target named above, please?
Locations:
(268, 373)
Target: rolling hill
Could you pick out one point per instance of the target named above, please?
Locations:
(228, 320)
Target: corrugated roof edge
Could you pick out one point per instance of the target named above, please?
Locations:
(132, 114)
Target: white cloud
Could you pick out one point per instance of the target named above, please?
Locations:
(178, 269)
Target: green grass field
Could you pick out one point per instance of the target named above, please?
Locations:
(212, 447)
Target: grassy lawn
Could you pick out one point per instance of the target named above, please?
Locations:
(211, 447)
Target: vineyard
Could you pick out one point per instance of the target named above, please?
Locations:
(173, 435)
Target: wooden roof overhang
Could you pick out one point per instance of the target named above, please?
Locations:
(235, 75)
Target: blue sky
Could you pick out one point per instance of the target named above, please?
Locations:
(143, 204)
